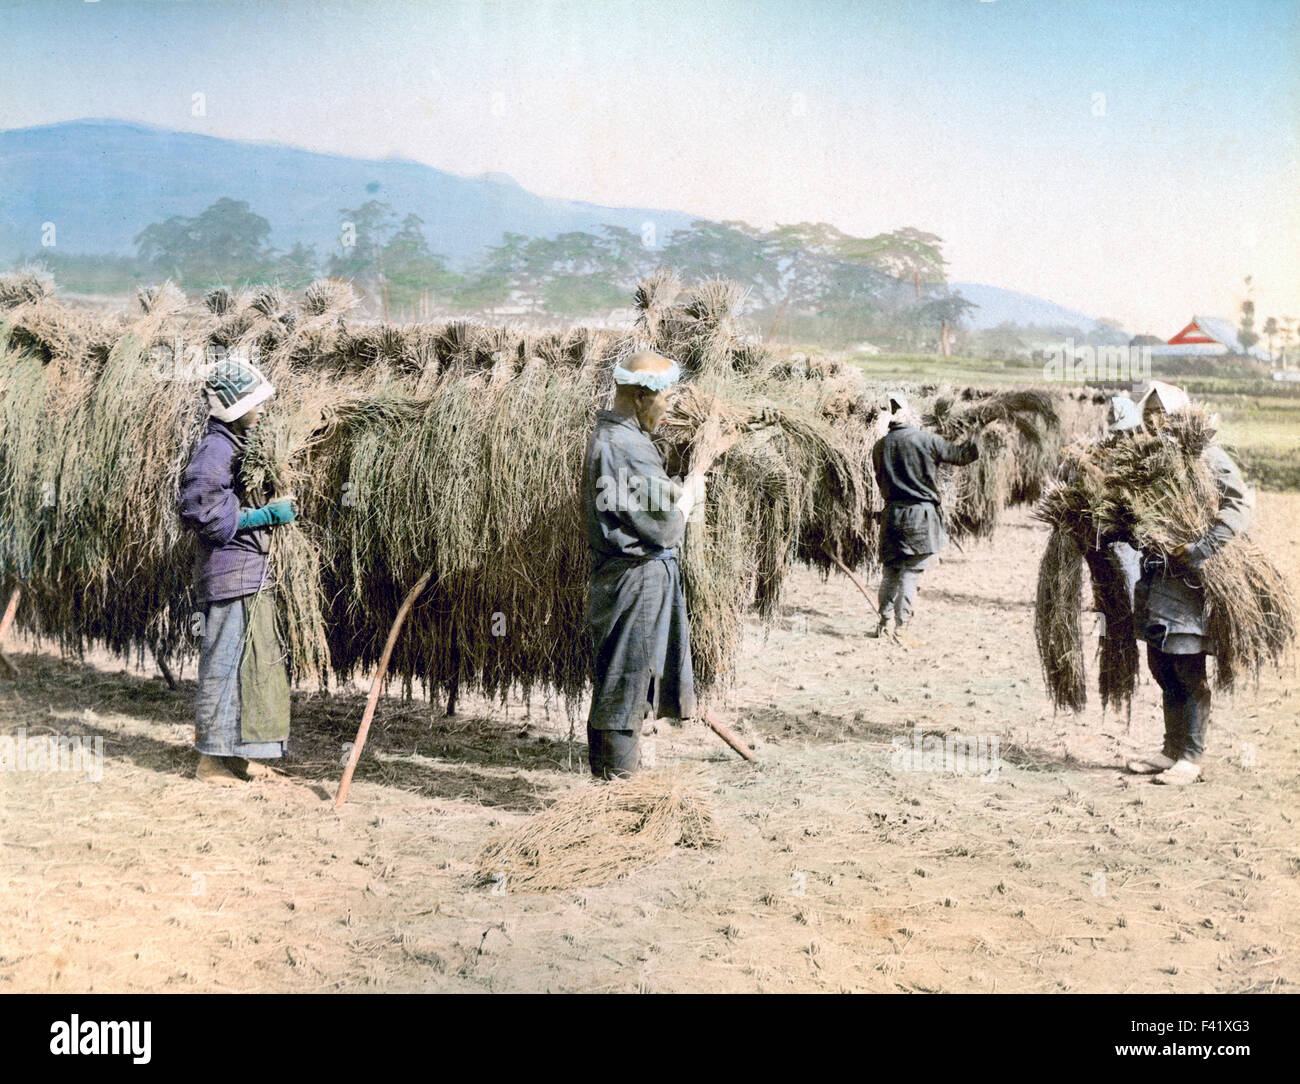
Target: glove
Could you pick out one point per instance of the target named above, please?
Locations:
(278, 512)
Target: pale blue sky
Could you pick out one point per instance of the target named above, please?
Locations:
(977, 120)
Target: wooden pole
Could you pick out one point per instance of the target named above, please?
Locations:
(727, 736)
(359, 741)
(849, 573)
(166, 671)
(10, 610)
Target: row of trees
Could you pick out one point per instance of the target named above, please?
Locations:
(810, 279)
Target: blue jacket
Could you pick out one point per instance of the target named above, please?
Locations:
(230, 563)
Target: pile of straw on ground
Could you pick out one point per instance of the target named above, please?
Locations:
(599, 833)
(453, 448)
(1154, 491)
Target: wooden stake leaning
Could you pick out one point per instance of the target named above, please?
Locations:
(5, 622)
(727, 736)
(376, 686)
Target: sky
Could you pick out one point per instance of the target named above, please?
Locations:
(1134, 159)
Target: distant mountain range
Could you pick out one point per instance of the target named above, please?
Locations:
(999, 306)
(100, 182)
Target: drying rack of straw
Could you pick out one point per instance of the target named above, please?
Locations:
(452, 450)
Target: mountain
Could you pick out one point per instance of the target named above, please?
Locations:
(997, 306)
(102, 181)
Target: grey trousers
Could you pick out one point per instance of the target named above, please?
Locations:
(613, 754)
(898, 586)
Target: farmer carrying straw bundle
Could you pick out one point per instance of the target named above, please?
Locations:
(635, 518)
(242, 708)
(906, 462)
(1170, 610)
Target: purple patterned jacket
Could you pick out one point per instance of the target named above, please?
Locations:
(229, 564)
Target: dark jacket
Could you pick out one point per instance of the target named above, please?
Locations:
(229, 564)
(640, 634)
(906, 461)
(1169, 605)
(629, 502)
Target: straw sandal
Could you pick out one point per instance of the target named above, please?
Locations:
(1151, 765)
(253, 770)
(215, 771)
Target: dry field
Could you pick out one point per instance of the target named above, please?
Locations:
(840, 871)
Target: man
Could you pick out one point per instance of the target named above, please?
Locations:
(242, 709)
(906, 462)
(1170, 613)
(1123, 419)
(635, 518)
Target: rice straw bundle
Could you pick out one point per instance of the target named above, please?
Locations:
(601, 832)
(1156, 491)
(1056, 620)
(1013, 430)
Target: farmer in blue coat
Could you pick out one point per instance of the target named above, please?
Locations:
(1170, 613)
(242, 709)
(906, 462)
(635, 518)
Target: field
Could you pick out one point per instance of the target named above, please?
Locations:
(1260, 418)
(842, 869)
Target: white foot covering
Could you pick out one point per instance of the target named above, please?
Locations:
(1151, 765)
(1180, 774)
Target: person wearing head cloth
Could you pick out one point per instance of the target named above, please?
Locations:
(242, 706)
(1123, 419)
(635, 518)
(1169, 610)
(906, 461)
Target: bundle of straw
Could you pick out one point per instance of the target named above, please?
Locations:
(601, 832)
(1015, 432)
(1156, 491)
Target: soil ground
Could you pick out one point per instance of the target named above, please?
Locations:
(842, 868)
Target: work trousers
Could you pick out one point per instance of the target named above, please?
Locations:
(898, 586)
(613, 754)
(1186, 694)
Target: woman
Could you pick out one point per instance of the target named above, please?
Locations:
(1170, 614)
(242, 709)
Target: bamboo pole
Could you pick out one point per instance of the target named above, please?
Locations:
(10, 611)
(376, 686)
(849, 573)
(727, 736)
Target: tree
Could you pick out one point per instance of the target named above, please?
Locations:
(363, 231)
(1270, 332)
(906, 253)
(1246, 332)
(410, 270)
(223, 243)
(297, 267)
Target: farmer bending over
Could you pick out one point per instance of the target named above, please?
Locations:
(906, 461)
(635, 518)
(242, 710)
(1170, 614)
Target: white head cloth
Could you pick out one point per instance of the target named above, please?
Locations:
(647, 379)
(1169, 397)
